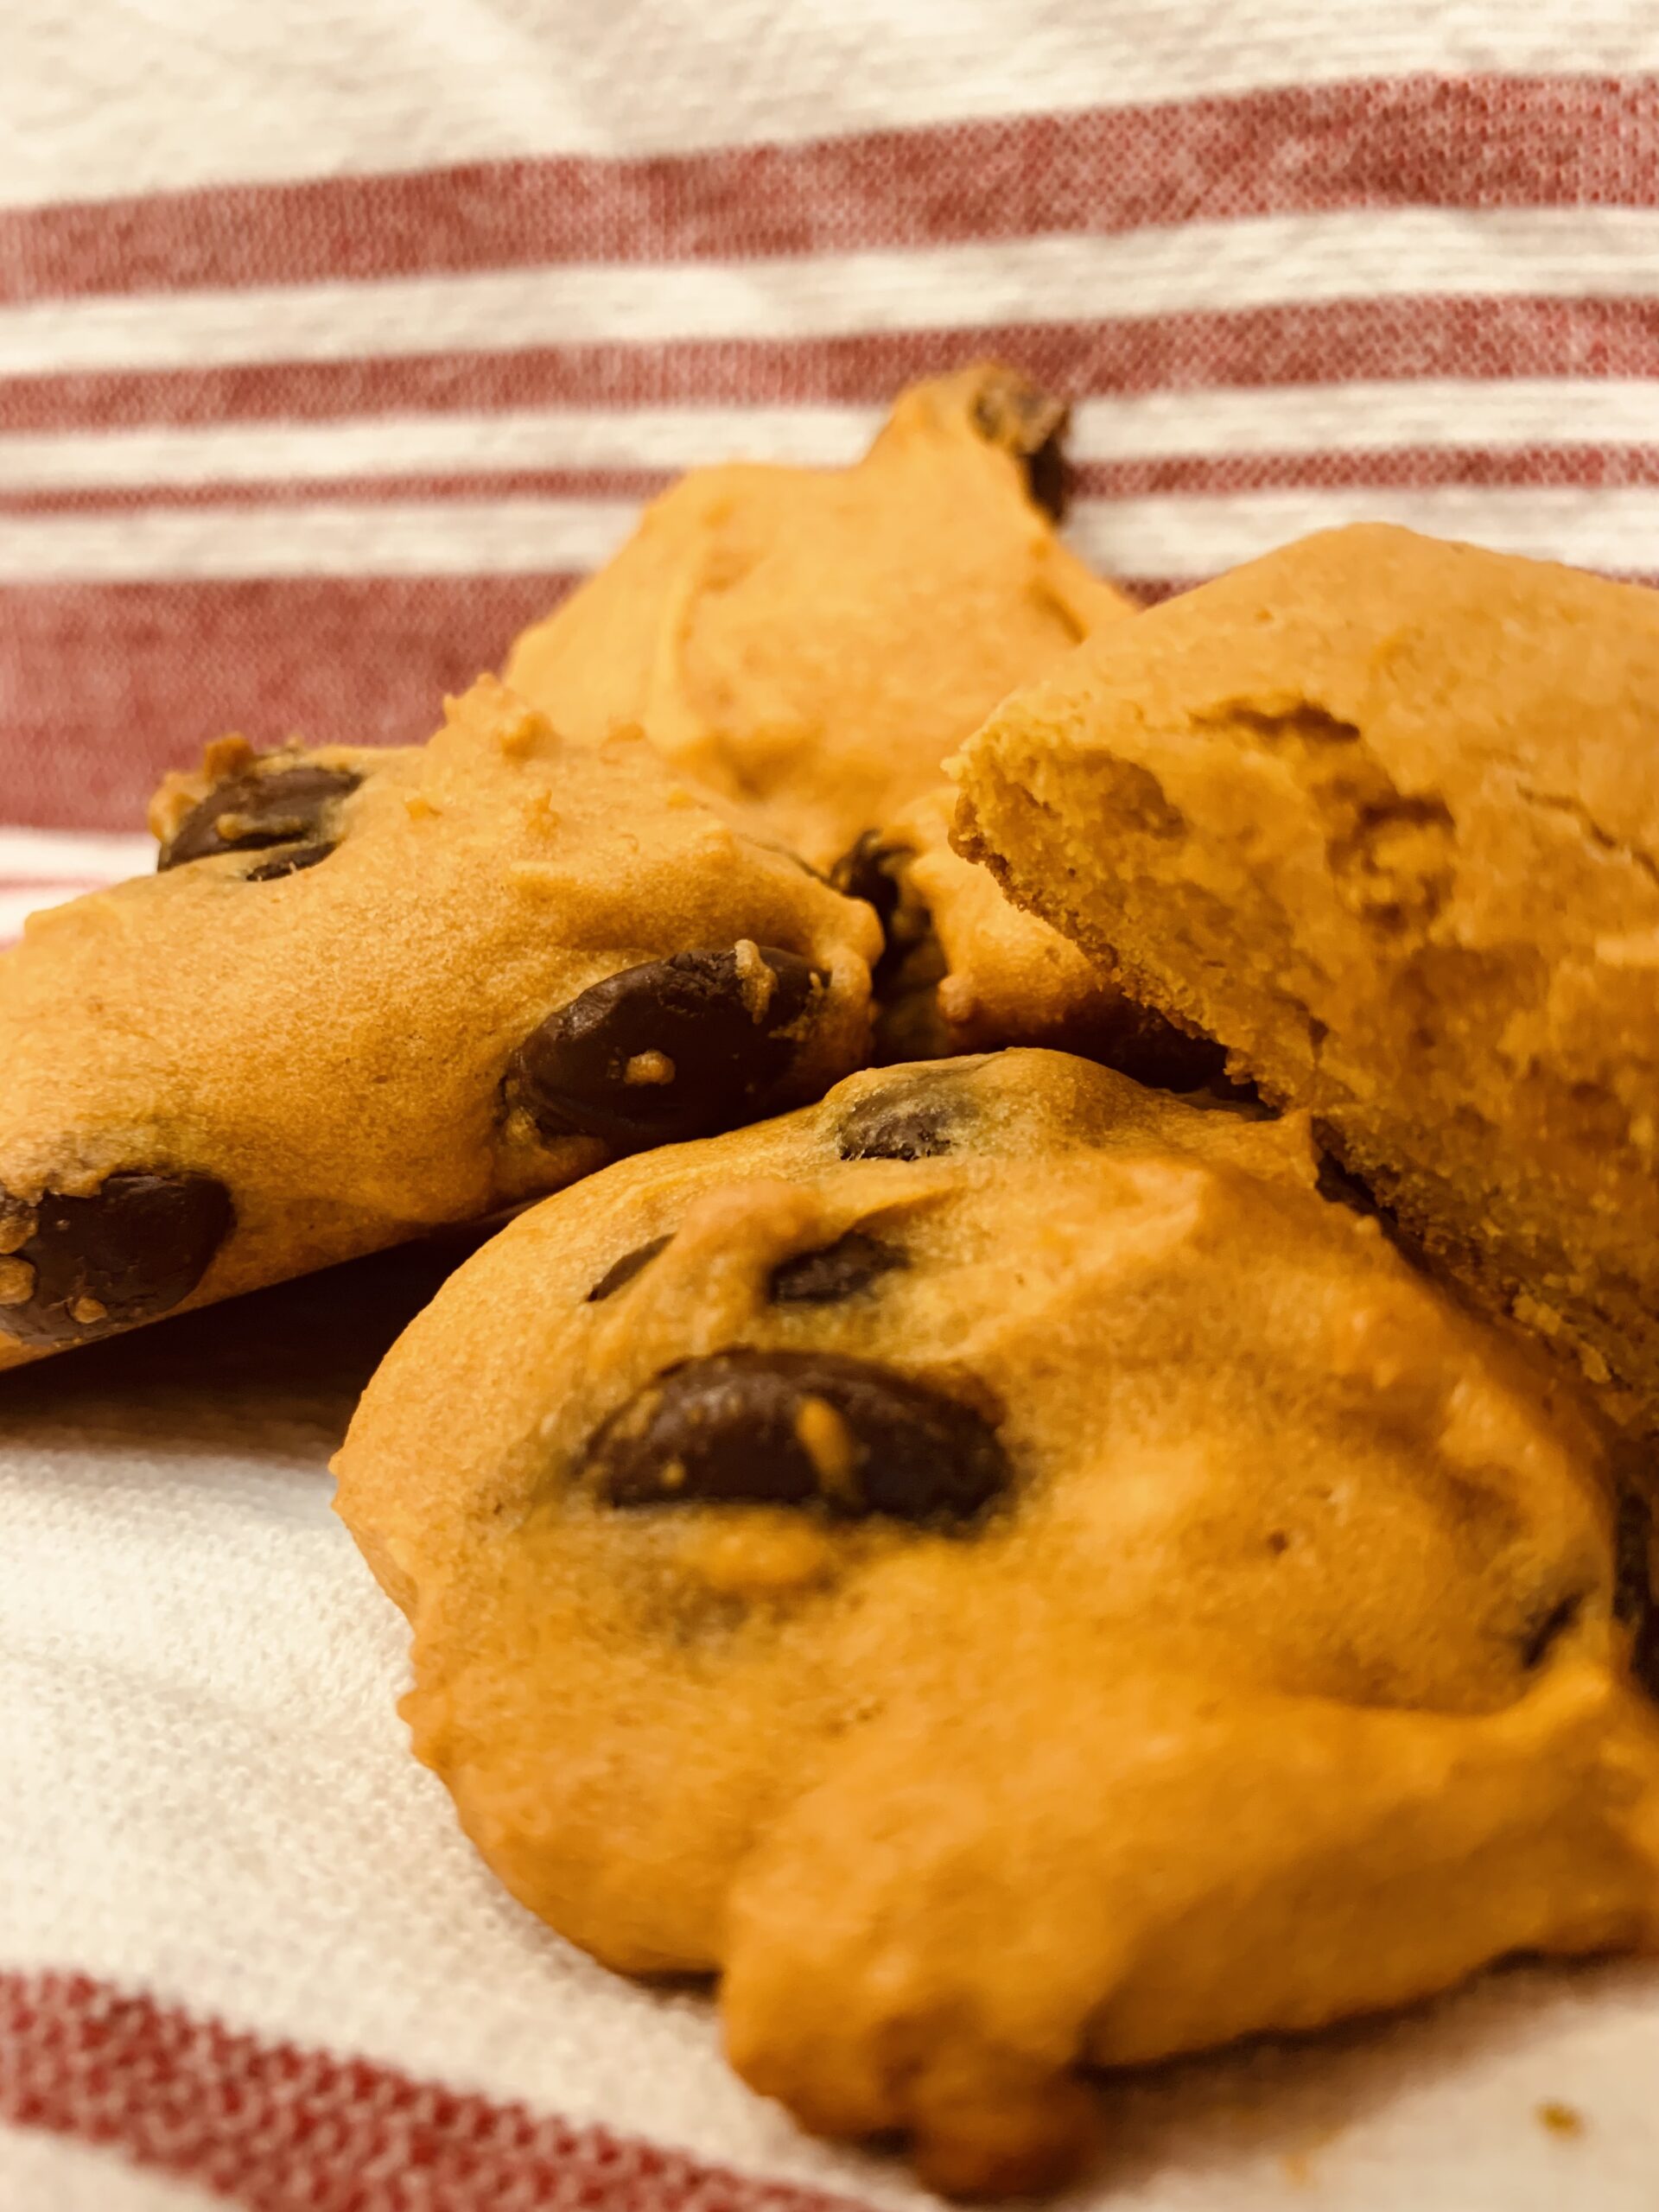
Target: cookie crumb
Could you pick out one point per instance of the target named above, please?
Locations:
(519, 734)
(652, 1067)
(17, 1282)
(829, 1444)
(87, 1310)
(226, 756)
(754, 978)
(1560, 2118)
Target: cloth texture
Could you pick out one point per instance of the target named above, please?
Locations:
(338, 340)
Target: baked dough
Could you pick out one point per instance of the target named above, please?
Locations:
(998, 1568)
(1382, 814)
(370, 992)
(964, 969)
(812, 642)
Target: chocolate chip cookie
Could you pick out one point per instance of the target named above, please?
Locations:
(1001, 1569)
(812, 643)
(964, 969)
(368, 993)
(1382, 814)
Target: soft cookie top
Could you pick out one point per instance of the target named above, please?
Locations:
(813, 642)
(368, 992)
(1002, 1567)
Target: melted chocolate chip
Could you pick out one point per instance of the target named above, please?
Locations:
(916, 1122)
(131, 1252)
(288, 863)
(261, 807)
(622, 1273)
(793, 1428)
(840, 1270)
(674, 1048)
(1031, 424)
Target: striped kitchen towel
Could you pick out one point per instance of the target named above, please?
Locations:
(337, 339)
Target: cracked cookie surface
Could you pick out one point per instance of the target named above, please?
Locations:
(1381, 815)
(370, 992)
(811, 643)
(1001, 1570)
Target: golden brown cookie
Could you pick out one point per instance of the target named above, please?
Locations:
(370, 992)
(812, 643)
(1382, 814)
(964, 969)
(1001, 1569)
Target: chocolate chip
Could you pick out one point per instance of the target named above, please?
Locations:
(840, 1270)
(674, 1048)
(915, 1121)
(132, 1251)
(1031, 424)
(867, 870)
(793, 1428)
(912, 959)
(288, 863)
(262, 806)
(622, 1273)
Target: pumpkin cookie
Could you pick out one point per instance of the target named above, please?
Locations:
(1382, 814)
(998, 1568)
(812, 643)
(370, 992)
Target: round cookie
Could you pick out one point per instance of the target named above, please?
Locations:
(370, 992)
(964, 969)
(811, 643)
(1001, 1569)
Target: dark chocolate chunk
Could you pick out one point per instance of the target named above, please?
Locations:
(674, 1048)
(622, 1273)
(288, 863)
(793, 1428)
(261, 807)
(1031, 424)
(132, 1251)
(840, 1270)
